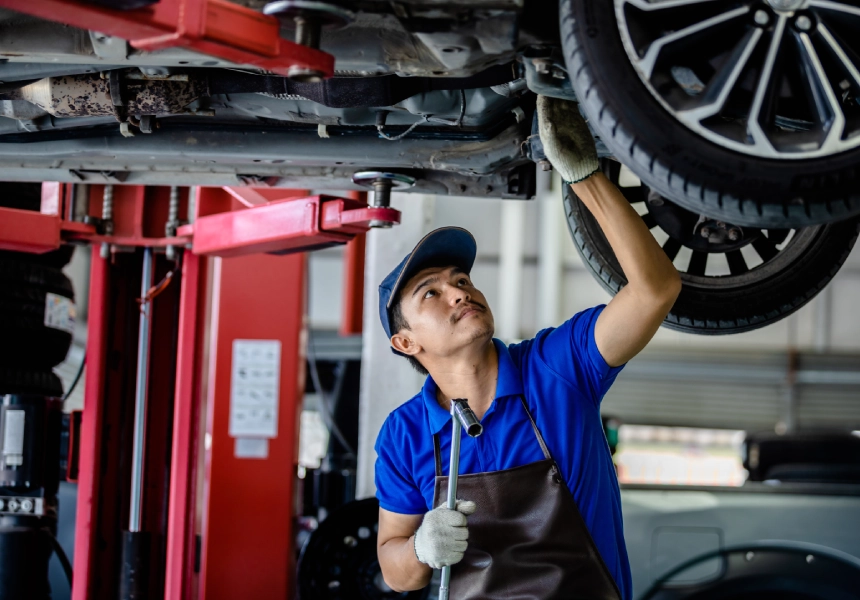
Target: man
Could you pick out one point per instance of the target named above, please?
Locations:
(540, 513)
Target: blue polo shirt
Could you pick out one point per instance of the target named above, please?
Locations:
(563, 377)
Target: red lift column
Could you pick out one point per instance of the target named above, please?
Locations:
(249, 502)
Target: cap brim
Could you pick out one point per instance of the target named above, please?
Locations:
(445, 246)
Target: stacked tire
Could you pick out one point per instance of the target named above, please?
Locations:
(36, 329)
(36, 321)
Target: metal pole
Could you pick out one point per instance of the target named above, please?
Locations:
(453, 472)
(141, 388)
(107, 219)
(172, 221)
(462, 417)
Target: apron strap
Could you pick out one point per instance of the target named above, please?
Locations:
(437, 454)
(542, 443)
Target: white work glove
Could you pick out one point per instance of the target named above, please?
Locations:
(441, 539)
(566, 139)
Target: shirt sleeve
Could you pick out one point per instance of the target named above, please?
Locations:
(395, 487)
(571, 352)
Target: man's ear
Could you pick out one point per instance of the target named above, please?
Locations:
(405, 344)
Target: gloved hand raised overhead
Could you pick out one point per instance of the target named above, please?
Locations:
(441, 539)
(567, 141)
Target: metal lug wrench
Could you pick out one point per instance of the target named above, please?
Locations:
(462, 418)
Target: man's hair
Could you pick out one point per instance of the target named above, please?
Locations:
(398, 322)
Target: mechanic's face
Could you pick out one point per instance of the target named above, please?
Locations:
(445, 313)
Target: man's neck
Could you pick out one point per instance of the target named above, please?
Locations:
(472, 376)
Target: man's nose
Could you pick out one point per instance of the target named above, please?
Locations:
(458, 294)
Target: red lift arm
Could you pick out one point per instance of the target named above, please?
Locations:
(215, 27)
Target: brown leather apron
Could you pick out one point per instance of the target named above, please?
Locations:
(527, 540)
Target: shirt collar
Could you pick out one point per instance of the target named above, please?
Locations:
(509, 384)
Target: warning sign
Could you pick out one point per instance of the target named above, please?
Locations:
(254, 385)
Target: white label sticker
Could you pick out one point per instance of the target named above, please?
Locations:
(251, 448)
(13, 438)
(59, 313)
(254, 385)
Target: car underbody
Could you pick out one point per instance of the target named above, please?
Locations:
(435, 92)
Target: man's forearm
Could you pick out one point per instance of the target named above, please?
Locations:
(645, 265)
(401, 569)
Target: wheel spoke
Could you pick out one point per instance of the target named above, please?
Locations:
(754, 127)
(698, 263)
(772, 79)
(649, 6)
(765, 247)
(777, 236)
(840, 53)
(671, 248)
(737, 263)
(646, 65)
(724, 82)
(827, 105)
(835, 6)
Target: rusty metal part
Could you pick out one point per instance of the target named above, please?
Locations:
(91, 95)
(70, 96)
(161, 97)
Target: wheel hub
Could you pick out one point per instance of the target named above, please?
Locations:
(696, 232)
(778, 79)
(787, 5)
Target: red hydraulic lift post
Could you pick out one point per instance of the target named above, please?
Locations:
(250, 501)
(352, 315)
(90, 468)
(182, 519)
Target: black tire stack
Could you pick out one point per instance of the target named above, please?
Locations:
(29, 348)
(36, 319)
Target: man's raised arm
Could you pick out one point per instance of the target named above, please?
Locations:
(633, 316)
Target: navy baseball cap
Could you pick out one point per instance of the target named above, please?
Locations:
(445, 246)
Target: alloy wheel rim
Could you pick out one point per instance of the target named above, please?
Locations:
(759, 254)
(775, 79)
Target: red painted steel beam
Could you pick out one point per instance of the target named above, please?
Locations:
(90, 471)
(28, 231)
(182, 515)
(248, 536)
(287, 226)
(215, 27)
(277, 227)
(352, 313)
(251, 197)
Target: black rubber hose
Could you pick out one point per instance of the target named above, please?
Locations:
(61, 555)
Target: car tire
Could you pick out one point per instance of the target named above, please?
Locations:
(28, 342)
(680, 163)
(724, 303)
(57, 259)
(23, 381)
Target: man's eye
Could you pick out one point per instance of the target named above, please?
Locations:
(464, 282)
(430, 293)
